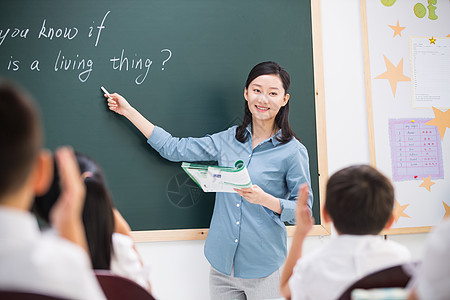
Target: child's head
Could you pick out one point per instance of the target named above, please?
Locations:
(20, 138)
(98, 217)
(359, 200)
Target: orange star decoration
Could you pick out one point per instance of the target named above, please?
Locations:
(432, 40)
(441, 120)
(399, 211)
(447, 210)
(397, 29)
(393, 74)
(427, 183)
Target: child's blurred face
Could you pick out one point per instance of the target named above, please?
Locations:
(265, 96)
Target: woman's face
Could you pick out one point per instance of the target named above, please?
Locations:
(265, 96)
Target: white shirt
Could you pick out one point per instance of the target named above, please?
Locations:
(433, 277)
(329, 271)
(125, 260)
(33, 262)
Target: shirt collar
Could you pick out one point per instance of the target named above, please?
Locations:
(272, 139)
(17, 224)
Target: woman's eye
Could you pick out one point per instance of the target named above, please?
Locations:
(256, 91)
(273, 94)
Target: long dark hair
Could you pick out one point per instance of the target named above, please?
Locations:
(98, 216)
(282, 117)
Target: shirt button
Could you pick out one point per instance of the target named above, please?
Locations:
(249, 155)
(235, 240)
(237, 222)
(238, 205)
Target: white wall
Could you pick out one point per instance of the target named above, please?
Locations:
(179, 269)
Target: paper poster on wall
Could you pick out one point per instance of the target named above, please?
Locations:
(416, 150)
(407, 63)
(430, 64)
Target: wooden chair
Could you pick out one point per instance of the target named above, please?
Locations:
(396, 276)
(117, 287)
(19, 295)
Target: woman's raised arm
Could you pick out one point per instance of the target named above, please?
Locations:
(120, 105)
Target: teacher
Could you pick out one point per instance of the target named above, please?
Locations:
(247, 241)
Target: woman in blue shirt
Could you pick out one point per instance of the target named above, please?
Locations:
(246, 243)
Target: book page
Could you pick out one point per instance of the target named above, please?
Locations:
(219, 179)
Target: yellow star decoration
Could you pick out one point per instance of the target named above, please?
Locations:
(399, 211)
(393, 74)
(447, 210)
(441, 120)
(427, 183)
(397, 29)
(432, 40)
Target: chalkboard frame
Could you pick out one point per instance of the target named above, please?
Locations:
(318, 229)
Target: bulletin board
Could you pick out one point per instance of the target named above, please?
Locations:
(407, 76)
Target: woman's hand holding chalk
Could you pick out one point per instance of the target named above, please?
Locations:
(117, 103)
(112, 104)
(105, 91)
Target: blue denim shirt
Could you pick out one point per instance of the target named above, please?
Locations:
(249, 236)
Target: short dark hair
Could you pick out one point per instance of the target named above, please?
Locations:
(20, 136)
(98, 216)
(282, 117)
(359, 200)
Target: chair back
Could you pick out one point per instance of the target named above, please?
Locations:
(117, 287)
(396, 276)
(20, 295)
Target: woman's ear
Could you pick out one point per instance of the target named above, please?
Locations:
(286, 99)
(246, 94)
(43, 173)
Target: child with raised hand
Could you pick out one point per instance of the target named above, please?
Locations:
(109, 242)
(55, 265)
(359, 202)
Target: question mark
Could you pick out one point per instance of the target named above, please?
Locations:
(167, 59)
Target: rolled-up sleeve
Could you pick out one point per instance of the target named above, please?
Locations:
(297, 174)
(184, 149)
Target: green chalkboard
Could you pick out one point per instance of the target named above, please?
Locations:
(181, 63)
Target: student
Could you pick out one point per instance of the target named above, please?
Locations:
(359, 202)
(433, 277)
(108, 234)
(31, 262)
(246, 243)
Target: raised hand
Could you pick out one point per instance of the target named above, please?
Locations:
(303, 219)
(66, 214)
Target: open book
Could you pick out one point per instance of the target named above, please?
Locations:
(219, 179)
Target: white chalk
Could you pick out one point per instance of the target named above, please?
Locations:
(105, 91)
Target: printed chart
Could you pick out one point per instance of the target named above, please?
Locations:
(416, 150)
